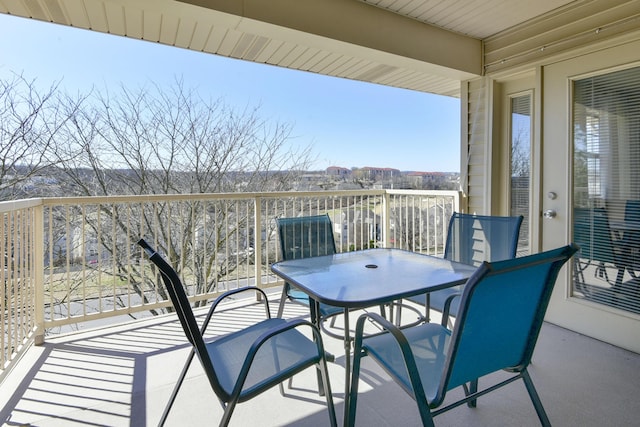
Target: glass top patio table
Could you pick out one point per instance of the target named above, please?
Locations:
(370, 277)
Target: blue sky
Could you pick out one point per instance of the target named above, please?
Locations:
(347, 123)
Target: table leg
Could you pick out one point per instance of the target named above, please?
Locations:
(314, 308)
(347, 365)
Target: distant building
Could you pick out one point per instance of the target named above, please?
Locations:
(427, 179)
(376, 174)
(338, 171)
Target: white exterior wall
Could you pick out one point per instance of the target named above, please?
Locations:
(475, 168)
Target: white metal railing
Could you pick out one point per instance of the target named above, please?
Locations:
(19, 292)
(82, 251)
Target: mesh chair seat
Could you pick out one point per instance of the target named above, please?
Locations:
(428, 344)
(279, 360)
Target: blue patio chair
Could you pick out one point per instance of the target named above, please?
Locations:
(592, 233)
(501, 312)
(473, 239)
(304, 237)
(632, 211)
(245, 363)
(631, 235)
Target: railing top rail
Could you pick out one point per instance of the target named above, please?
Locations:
(451, 193)
(13, 205)
(204, 196)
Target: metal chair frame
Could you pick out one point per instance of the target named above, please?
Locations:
(273, 343)
(428, 360)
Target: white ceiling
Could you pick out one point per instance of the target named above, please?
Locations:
(475, 18)
(423, 45)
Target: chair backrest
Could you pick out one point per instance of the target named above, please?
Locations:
(631, 235)
(591, 231)
(306, 236)
(188, 321)
(472, 239)
(500, 316)
(632, 211)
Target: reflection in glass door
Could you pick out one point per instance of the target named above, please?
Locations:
(606, 182)
(520, 167)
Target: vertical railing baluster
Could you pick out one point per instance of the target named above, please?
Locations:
(257, 243)
(38, 269)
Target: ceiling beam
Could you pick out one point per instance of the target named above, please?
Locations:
(350, 24)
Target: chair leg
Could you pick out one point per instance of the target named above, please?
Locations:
(351, 401)
(620, 276)
(326, 388)
(281, 387)
(316, 319)
(228, 411)
(425, 414)
(332, 324)
(283, 299)
(537, 404)
(398, 312)
(473, 388)
(174, 393)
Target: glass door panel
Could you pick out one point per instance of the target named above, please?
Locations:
(606, 178)
(520, 165)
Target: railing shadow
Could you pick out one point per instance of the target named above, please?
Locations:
(98, 380)
(110, 376)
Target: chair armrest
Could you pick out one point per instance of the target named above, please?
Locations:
(386, 325)
(446, 312)
(229, 293)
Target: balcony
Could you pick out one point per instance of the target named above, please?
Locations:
(73, 274)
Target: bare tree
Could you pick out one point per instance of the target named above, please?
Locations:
(157, 140)
(30, 121)
(520, 153)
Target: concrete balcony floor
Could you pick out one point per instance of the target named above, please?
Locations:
(123, 375)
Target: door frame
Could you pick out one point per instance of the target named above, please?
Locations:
(501, 204)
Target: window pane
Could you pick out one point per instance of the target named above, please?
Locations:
(606, 215)
(521, 165)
